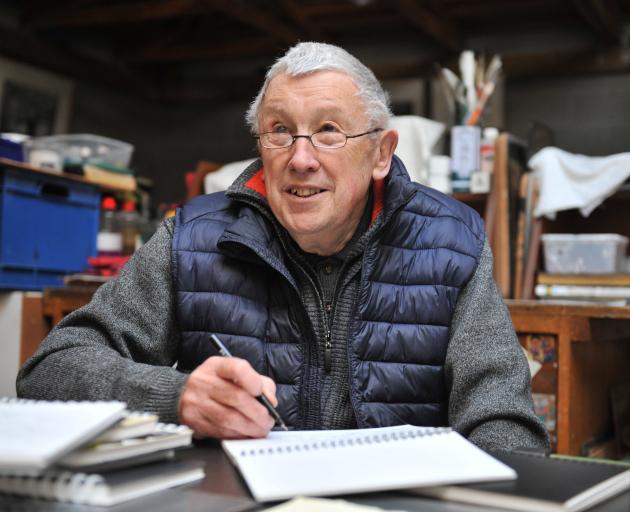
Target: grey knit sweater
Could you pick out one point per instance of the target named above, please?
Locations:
(124, 343)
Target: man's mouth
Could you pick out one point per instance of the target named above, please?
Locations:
(305, 191)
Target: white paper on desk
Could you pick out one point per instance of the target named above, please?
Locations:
(302, 504)
(326, 463)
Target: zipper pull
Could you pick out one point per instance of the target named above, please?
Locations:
(327, 352)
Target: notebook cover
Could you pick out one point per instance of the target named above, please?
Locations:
(543, 483)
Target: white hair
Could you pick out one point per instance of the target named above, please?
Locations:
(310, 57)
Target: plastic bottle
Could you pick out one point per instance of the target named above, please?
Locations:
(488, 140)
(130, 228)
(109, 241)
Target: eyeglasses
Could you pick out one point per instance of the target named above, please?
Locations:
(323, 139)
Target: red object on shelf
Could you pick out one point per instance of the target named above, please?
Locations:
(108, 203)
(107, 265)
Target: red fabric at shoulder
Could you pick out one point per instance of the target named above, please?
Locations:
(379, 198)
(257, 183)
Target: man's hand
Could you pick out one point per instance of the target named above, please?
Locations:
(219, 400)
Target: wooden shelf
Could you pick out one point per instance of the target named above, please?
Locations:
(468, 197)
(590, 347)
(48, 172)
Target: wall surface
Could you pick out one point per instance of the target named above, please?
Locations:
(587, 114)
(168, 139)
(11, 328)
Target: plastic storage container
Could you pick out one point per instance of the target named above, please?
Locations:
(48, 228)
(79, 149)
(585, 253)
(11, 146)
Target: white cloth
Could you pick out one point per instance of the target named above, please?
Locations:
(223, 177)
(571, 181)
(417, 137)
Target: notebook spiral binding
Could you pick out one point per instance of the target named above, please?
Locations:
(30, 401)
(346, 442)
(65, 486)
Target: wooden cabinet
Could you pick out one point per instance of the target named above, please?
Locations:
(38, 312)
(584, 349)
(23, 327)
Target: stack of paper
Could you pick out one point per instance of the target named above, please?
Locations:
(52, 450)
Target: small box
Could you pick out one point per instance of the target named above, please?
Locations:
(585, 254)
(465, 155)
(48, 228)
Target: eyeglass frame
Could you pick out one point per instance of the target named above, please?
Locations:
(309, 137)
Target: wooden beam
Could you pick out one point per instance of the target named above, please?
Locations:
(437, 29)
(300, 18)
(603, 16)
(35, 9)
(394, 70)
(252, 46)
(29, 49)
(130, 12)
(563, 62)
(215, 89)
(256, 18)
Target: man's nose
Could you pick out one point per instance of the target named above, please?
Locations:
(304, 157)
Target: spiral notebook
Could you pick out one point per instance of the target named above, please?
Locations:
(34, 434)
(104, 489)
(324, 463)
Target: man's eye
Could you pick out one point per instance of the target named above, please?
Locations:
(279, 129)
(329, 128)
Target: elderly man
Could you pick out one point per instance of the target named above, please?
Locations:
(349, 296)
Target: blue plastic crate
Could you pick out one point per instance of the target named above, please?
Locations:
(11, 149)
(48, 228)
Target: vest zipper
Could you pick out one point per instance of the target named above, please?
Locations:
(327, 352)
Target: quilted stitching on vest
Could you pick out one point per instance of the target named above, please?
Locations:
(230, 279)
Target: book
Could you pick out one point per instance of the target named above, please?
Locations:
(134, 424)
(109, 178)
(104, 489)
(582, 291)
(544, 484)
(34, 434)
(323, 463)
(162, 437)
(585, 279)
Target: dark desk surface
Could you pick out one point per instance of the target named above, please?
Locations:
(222, 490)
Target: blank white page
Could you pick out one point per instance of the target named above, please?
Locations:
(33, 434)
(323, 463)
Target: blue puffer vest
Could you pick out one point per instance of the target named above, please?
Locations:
(231, 279)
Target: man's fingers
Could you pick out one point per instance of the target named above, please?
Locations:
(240, 372)
(269, 390)
(219, 400)
(231, 423)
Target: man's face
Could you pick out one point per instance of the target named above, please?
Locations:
(319, 195)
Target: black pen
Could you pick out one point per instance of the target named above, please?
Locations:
(218, 344)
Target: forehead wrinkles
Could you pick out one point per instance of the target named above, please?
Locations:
(324, 92)
(281, 110)
(320, 83)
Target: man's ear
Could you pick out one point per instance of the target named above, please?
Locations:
(386, 148)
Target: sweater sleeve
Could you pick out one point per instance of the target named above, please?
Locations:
(120, 346)
(486, 371)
